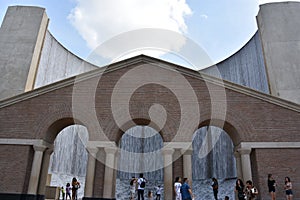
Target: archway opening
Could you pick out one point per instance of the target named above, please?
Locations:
(140, 152)
(213, 156)
(69, 158)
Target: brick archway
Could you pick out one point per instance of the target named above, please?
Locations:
(260, 123)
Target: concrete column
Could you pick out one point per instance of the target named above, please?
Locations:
(238, 161)
(246, 163)
(90, 172)
(168, 172)
(109, 172)
(36, 169)
(187, 164)
(117, 156)
(44, 171)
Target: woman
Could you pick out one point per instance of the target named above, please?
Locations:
(239, 189)
(75, 187)
(288, 188)
(271, 186)
(215, 187)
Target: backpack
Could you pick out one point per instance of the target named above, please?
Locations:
(143, 184)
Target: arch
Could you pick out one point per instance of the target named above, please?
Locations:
(227, 127)
(213, 153)
(53, 130)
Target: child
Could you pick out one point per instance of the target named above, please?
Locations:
(68, 191)
(158, 192)
(150, 195)
(63, 193)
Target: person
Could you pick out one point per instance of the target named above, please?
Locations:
(150, 195)
(215, 187)
(133, 182)
(271, 186)
(63, 192)
(186, 191)
(68, 191)
(177, 186)
(141, 186)
(75, 187)
(251, 191)
(226, 198)
(158, 192)
(239, 189)
(288, 188)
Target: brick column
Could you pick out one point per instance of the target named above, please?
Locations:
(90, 172)
(246, 163)
(187, 164)
(168, 172)
(36, 168)
(109, 172)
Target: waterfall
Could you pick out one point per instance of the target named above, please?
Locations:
(141, 153)
(69, 155)
(218, 161)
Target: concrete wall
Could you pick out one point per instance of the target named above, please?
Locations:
(279, 28)
(21, 39)
(58, 63)
(245, 67)
(30, 57)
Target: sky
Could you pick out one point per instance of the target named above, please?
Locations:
(217, 27)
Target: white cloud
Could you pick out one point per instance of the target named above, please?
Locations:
(98, 21)
(271, 1)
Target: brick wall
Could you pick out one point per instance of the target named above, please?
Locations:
(280, 163)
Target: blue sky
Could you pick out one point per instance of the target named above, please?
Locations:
(219, 27)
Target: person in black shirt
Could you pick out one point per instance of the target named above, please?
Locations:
(215, 187)
(271, 186)
(239, 189)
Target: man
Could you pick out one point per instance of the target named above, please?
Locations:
(141, 187)
(186, 191)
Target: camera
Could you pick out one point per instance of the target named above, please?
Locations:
(253, 190)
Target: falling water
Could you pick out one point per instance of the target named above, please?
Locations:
(140, 153)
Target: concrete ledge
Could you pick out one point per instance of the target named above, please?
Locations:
(8, 196)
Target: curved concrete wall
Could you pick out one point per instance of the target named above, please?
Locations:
(58, 63)
(246, 67)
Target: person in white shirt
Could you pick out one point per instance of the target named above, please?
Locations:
(141, 187)
(177, 186)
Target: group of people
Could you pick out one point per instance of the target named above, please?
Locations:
(138, 184)
(250, 192)
(71, 188)
(287, 187)
(182, 189)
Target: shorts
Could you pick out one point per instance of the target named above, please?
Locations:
(272, 190)
(289, 192)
